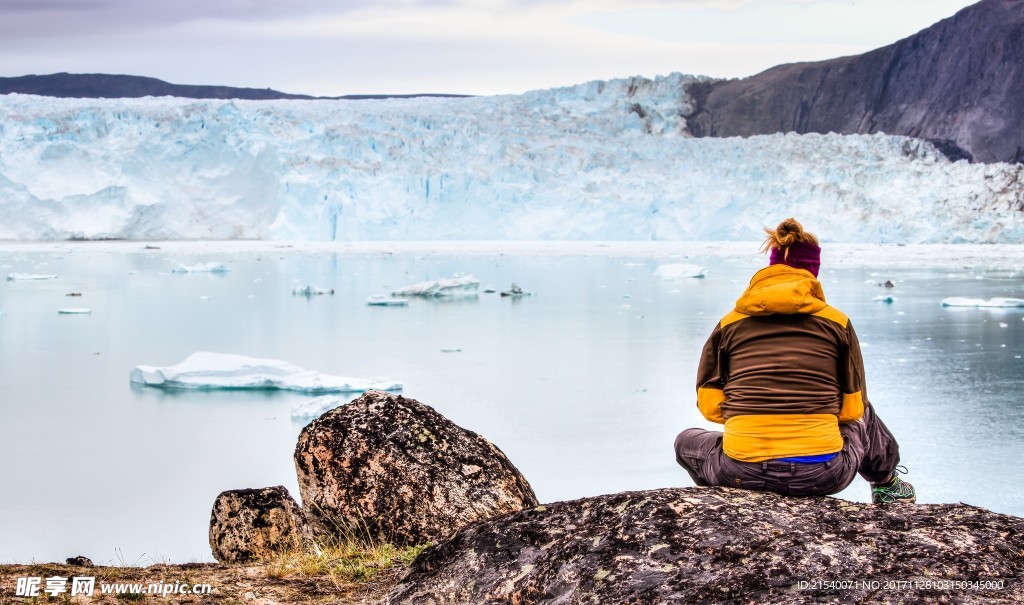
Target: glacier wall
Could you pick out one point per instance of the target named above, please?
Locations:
(603, 160)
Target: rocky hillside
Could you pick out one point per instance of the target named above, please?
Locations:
(959, 83)
(116, 86)
(96, 86)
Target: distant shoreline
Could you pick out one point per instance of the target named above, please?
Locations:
(991, 257)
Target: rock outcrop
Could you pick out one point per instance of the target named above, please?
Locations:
(390, 468)
(719, 545)
(959, 83)
(247, 524)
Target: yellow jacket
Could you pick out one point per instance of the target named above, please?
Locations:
(781, 370)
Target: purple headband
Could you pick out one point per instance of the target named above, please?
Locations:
(801, 255)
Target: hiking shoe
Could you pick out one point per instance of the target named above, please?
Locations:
(893, 490)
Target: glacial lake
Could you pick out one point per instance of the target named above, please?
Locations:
(584, 384)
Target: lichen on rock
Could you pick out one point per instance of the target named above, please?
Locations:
(722, 545)
(390, 468)
(249, 524)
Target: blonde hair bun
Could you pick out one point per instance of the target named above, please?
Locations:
(789, 232)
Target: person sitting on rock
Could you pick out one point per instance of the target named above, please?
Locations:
(783, 372)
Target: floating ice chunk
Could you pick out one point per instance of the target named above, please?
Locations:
(312, 291)
(515, 291)
(28, 276)
(205, 370)
(74, 311)
(317, 406)
(678, 270)
(980, 302)
(451, 350)
(202, 268)
(381, 300)
(888, 299)
(465, 285)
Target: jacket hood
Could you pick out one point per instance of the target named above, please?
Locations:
(781, 289)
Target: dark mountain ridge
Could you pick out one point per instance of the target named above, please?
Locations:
(99, 86)
(959, 83)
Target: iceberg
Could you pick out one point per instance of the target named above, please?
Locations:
(202, 268)
(380, 300)
(888, 298)
(74, 311)
(465, 285)
(678, 270)
(204, 370)
(312, 291)
(995, 303)
(28, 277)
(317, 406)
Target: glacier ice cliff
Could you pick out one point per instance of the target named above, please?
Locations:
(605, 160)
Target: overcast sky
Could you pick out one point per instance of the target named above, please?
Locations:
(335, 47)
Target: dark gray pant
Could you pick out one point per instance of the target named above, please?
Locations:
(868, 448)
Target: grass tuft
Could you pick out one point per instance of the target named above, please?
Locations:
(345, 562)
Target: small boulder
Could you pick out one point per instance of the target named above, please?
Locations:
(247, 524)
(389, 468)
(80, 561)
(718, 545)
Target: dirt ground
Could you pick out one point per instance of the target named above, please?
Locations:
(230, 584)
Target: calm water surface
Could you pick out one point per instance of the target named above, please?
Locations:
(584, 385)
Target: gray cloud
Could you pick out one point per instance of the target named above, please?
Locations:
(52, 18)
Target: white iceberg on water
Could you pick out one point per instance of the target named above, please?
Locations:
(202, 268)
(28, 276)
(317, 406)
(380, 300)
(465, 285)
(205, 370)
(679, 270)
(997, 303)
(74, 311)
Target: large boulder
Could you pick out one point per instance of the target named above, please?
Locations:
(390, 468)
(721, 545)
(248, 524)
